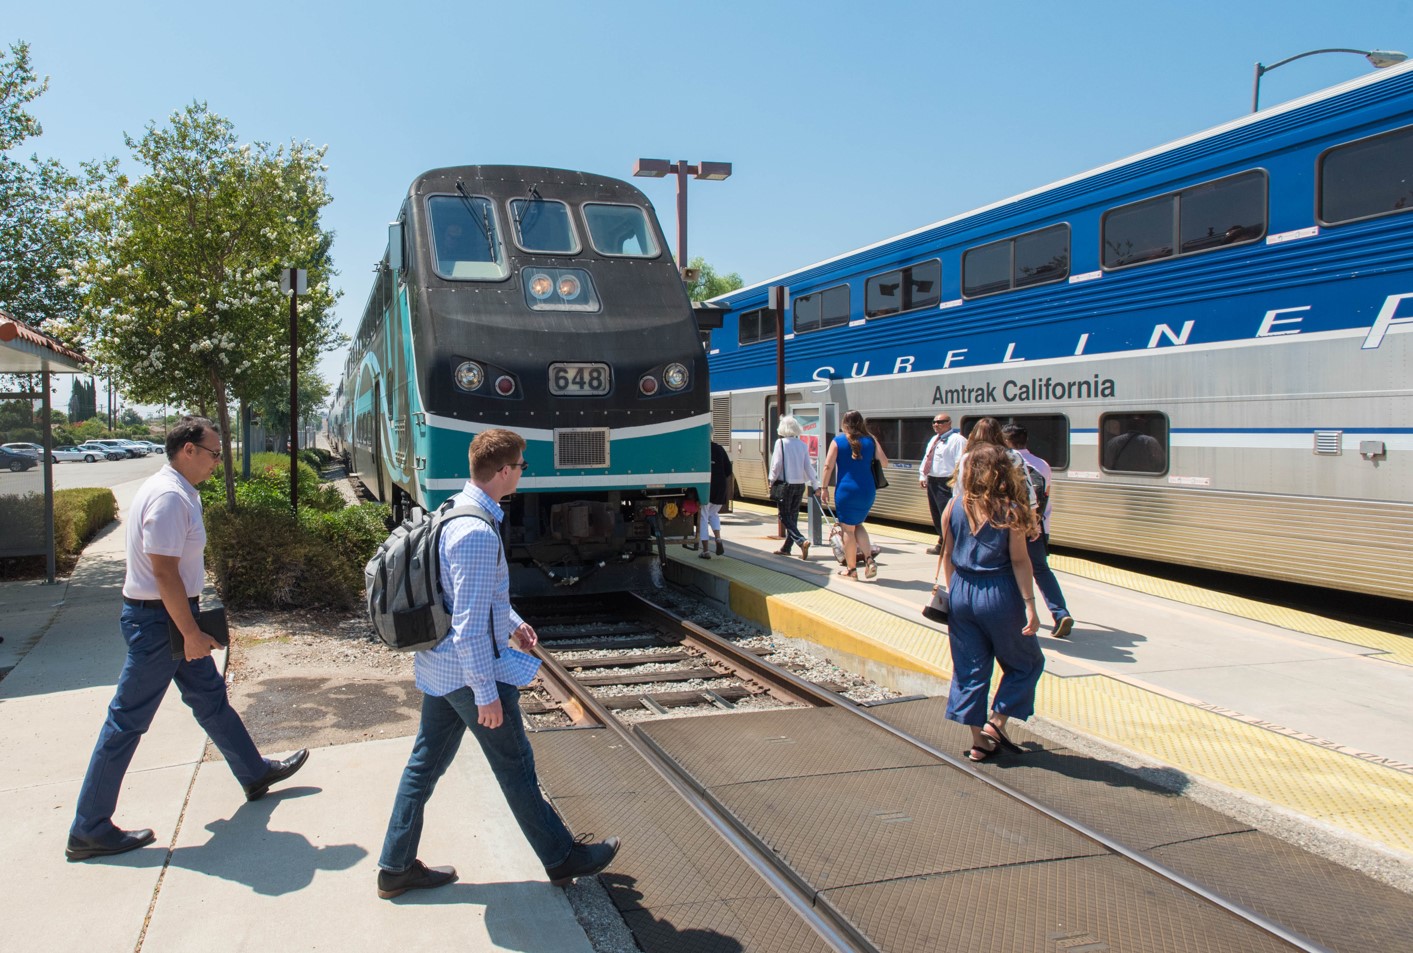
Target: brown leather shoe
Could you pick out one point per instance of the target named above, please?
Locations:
(804, 550)
(417, 877)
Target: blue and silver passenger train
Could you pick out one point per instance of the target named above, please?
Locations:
(542, 301)
(1212, 342)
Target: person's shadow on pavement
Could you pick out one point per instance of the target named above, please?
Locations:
(243, 849)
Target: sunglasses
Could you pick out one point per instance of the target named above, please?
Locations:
(522, 465)
(215, 454)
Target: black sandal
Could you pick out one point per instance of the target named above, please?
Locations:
(977, 754)
(999, 736)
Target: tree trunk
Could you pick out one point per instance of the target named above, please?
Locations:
(223, 420)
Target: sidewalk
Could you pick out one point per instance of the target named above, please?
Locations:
(293, 871)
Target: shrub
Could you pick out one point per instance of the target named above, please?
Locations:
(78, 516)
(269, 483)
(265, 557)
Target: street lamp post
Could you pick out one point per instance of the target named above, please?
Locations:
(658, 168)
(1378, 58)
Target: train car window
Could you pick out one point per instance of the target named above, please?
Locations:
(466, 238)
(1035, 258)
(1047, 436)
(543, 226)
(1368, 178)
(823, 309)
(757, 325)
(907, 289)
(903, 438)
(620, 231)
(1230, 211)
(1133, 442)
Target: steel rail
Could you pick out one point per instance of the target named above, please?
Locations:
(766, 671)
(833, 929)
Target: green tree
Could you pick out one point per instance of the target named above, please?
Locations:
(183, 283)
(272, 407)
(39, 238)
(709, 284)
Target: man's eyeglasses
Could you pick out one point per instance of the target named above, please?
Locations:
(522, 466)
(215, 454)
(940, 423)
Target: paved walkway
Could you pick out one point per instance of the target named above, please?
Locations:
(294, 871)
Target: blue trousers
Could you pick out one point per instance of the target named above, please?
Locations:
(148, 671)
(445, 720)
(1045, 581)
(984, 626)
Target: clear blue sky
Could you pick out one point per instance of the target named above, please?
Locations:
(846, 122)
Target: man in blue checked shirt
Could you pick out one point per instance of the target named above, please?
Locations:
(470, 680)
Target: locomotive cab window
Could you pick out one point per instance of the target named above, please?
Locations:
(620, 231)
(907, 289)
(1230, 211)
(1133, 442)
(757, 325)
(543, 226)
(1035, 258)
(823, 309)
(1368, 178)
(465, 237)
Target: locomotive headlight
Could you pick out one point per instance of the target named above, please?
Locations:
(540, 286)
(469, 375)
(568, 287)
(675, 376)
(648, 385)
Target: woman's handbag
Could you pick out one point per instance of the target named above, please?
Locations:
(937, 608)
(879, 480)
(777, 490)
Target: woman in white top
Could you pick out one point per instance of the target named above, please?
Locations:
(790, 463)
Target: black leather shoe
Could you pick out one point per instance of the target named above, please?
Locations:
(118, 842)
(417, 877)
(279, 770)
(584, 860)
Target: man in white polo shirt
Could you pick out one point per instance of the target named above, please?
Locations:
(166, 571)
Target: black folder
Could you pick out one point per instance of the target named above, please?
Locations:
(210, 621)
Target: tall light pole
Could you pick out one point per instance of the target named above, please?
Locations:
(658, 168)
(1378, 58)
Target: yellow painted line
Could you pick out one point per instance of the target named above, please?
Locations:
(1396, 648)
(1365, 799)
(1339, 789)
(1393, 647)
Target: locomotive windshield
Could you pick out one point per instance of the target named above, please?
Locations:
(543, 226)
(620, 230)
(465, 237)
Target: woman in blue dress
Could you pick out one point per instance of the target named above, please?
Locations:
(991, 617)
(853, 452)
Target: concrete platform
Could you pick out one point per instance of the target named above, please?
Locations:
(294, 871)
(1305, 718)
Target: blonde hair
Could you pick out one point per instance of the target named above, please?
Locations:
(994, 490)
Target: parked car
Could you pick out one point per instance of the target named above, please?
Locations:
(105, 452)
(71, 454)
(122, 446)
(28, 449)
(154, 446)
(15, 461)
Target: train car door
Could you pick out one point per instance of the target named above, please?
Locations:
(818, 423)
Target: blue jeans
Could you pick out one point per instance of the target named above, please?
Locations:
(148, 671)
(1045, 581)
(507, 749)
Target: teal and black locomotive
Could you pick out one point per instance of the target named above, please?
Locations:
(542, 301)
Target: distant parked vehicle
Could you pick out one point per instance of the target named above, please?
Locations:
(72, 454)
(105, 452)
(15, 461)
(154, 447)
(28, 449)
(126, 447)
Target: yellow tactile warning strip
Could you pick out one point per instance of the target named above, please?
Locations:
(1396, 648)
(1368, 800)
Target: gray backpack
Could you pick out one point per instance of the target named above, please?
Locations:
(403, 580)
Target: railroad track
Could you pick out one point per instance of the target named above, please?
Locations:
(605, 657)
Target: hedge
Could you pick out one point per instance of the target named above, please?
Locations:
(78, 516)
